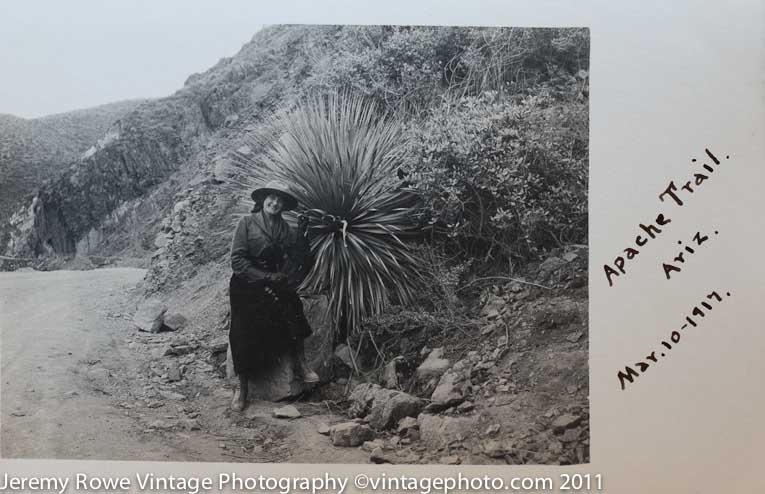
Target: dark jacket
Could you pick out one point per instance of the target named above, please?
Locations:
(255, 254)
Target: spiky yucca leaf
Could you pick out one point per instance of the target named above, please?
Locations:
(341, 157)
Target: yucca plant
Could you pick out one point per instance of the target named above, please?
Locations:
(341, 156)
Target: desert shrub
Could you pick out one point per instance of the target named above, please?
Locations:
(443, 275)
(406, 330)
(501, 176)
(341, 154)
(394, 66)
(412, 67)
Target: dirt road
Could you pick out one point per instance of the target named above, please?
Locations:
(72, 386)
(79, 381)
(53, 325)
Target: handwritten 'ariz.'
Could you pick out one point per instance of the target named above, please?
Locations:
(676, 264)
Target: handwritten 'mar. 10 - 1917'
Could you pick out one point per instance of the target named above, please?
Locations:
(676, 195)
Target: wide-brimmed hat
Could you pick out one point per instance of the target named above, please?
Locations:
(279, 188)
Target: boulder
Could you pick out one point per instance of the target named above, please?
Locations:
(566, 421)
(150, 316)
(280, 383)
(175, 321)
(287, 412)
(379, 456)
(433, 367)
(391, 372)
(350, 434)
(387, 412)
(361, 399)
(384, 407)
(370, 446)
(276, 384)
(405, 424)
(453, 388)
(343, 352)
(323, 429)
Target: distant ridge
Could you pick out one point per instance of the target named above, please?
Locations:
(35, 149)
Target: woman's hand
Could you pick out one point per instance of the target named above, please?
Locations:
(302, 224)
(278, 278)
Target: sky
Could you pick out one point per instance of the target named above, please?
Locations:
(61, 56)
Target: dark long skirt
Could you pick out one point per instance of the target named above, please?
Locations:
(263, 328)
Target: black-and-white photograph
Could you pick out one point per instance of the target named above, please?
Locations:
(338, 244)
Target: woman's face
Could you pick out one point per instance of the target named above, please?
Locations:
(273, 204)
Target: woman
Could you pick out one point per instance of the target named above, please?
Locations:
(269, 260)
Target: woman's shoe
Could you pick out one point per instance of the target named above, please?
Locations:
(299, 367)
(239, 405)
(303, 373)
(310, 376)
(240, 401)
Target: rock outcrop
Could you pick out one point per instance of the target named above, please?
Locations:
(150, 316)
(34, 150)
(190, 132)
(280, 382)
(144, 148)
(350, 434)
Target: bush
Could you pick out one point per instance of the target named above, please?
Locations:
(504, 177)
(341, 155)
(412, 67)
(394, 66)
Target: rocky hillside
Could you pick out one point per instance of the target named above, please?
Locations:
(34, 150)
(115, 199)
